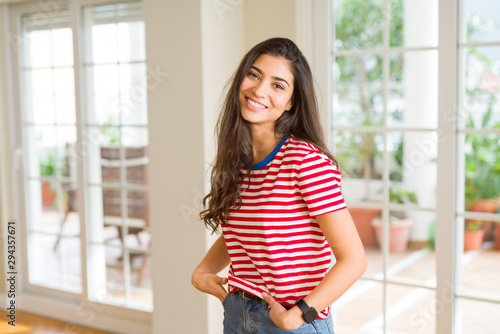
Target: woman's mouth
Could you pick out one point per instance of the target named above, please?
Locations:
(255, 103)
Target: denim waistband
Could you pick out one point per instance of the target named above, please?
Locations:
(249, 296)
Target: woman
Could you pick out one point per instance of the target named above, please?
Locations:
(276, 196)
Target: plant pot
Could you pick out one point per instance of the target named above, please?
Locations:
(362, 218)
(488, 206)
(48, 194)
(473, 240)
(399, 233)
(497, 229)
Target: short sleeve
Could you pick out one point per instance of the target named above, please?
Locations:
(319, 184)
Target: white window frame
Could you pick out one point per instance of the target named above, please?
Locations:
(75, 308)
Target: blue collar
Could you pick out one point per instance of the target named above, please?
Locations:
(271, 155)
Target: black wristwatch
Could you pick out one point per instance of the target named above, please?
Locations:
(308, 313)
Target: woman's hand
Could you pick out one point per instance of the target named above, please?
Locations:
(283, 318)
(209, 283)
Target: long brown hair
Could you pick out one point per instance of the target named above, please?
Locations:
(234, 139)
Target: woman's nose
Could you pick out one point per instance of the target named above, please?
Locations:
(259, 89)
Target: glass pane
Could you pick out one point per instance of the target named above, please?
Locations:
(131, 43)
(39, 54)
(63, 81)
(480, 270)
(65, 108)
(482, 21)
(43, 213)
(135, 137)
(363, 295)
(115, 283)
(137, 165)
(133, 94)
(413, 168)
(358, 98)
(105, 92)
(362, 218)
(413, 23)
(360, 158)
(140, 267)
(482, 172)
(410, 310)
(40, 87)
(411, 247)
(359, 24)
(104, 43)
(375, 261)
(55, 262)
(412, 96)
(482, 83)
(138, 219)
(62, 47)
(478, 317)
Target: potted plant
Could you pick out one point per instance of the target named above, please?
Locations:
(399, 222)
(473, 235)
(48, 168)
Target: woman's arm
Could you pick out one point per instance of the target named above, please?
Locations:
(343, 238)
(204, 277)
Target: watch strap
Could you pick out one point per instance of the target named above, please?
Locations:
(309, 313)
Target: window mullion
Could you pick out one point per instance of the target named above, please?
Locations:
(446, 243)
(79, 155)
(386, 168)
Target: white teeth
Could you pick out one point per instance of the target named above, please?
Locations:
(255, 104)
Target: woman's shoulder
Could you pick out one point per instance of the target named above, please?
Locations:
(309, 153)
(303, 147)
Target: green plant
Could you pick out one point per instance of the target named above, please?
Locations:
(111, 131)
(401, 195)
(482, 162)
(473, 225)
(48, 165)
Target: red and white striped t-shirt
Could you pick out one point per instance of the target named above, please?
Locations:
(274, 241)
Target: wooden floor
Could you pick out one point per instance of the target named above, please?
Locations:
(35, 324)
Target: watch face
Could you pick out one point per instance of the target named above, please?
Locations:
(310, 315)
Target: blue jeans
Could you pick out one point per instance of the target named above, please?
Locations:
(242, 316)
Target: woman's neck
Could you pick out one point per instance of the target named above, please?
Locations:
(264, 140)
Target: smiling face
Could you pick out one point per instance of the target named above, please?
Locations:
(266, 90)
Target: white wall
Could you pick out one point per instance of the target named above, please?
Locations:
(222, 49)
(173, 45)
(269, 18)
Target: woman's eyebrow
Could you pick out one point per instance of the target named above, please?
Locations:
(275, 78)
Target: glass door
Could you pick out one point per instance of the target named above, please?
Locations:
(50, 133)
(385, 135)
(478, 221)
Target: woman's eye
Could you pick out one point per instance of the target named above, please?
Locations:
(279, 86)
(253, 75)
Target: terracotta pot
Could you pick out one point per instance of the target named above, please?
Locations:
(48, 194)
(362, 218)
(473, 240)
(399, 233)
(497, 228)
(488, 206)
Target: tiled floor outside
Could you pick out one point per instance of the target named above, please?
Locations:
(414, 310)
